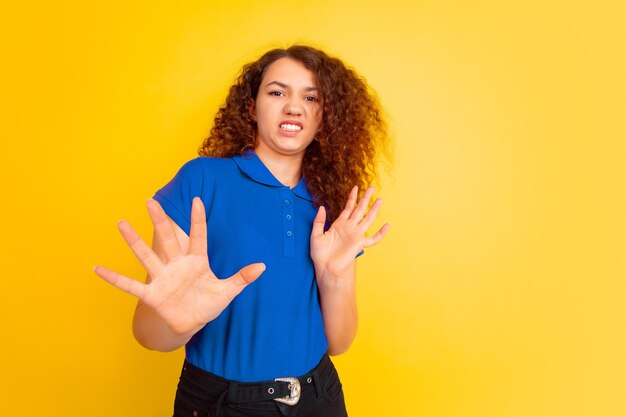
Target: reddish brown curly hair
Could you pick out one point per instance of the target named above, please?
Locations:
(352, 129)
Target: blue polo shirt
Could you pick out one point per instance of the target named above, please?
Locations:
(274, 328)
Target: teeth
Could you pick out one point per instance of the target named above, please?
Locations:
(291, 127)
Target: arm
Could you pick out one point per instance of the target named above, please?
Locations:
(333, 253)
(149, 328)
(338, 302)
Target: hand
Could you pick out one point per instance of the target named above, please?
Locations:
(183, 290)
(333, 252)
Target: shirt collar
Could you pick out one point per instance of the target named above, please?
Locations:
(254, 168)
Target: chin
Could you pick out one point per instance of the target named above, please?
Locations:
(293, 149)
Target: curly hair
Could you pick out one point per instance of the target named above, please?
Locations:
(352, 129)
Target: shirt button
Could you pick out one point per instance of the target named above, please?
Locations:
(289, 233)
(288, 217)
(286, 202)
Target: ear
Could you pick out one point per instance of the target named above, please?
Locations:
(252, 109)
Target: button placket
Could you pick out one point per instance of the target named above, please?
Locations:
(288, 232)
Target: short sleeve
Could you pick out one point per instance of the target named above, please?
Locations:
(177, 195)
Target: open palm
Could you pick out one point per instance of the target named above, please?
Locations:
(183, 290)
(334, 250)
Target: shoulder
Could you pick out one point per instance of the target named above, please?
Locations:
(204, 168)
(197, 177)
(207, 164)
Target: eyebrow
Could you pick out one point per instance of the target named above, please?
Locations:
(285, 86)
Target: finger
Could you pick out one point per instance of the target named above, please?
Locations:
(371, 215)
(243, 278)
(142, 251)
(125, 284)
(359, 212)
(350, 204)
(319, 222)
(197, 232)
(163, 230)
(374, 239)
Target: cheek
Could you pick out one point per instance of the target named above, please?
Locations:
(266, 108)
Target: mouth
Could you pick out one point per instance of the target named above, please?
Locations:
(291, 126)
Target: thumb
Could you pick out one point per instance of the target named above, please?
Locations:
(319, 222)
(243, 278)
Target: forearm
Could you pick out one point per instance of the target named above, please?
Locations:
(153, 333)
(149, 328)
(339, 309)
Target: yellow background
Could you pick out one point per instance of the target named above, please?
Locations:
(498, 292)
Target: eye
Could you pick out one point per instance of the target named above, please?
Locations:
(311, 98)
(276, 93)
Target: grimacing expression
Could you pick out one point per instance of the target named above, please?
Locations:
(287, 108)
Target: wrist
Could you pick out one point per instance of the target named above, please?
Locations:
(336, 279)
(154, 333)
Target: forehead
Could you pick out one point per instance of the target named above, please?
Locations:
(291, 72)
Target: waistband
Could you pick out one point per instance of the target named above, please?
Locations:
(266, 395)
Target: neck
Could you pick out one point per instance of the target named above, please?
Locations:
(286, 168)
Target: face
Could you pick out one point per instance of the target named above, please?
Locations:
(287, 109)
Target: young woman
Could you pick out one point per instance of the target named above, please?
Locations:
(255, 242)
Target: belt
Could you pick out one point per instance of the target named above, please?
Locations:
(286, 391)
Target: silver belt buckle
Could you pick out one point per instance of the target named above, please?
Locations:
(294, 387)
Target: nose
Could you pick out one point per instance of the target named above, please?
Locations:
(293, 106)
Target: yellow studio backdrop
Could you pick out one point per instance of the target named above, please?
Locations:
(499, 290)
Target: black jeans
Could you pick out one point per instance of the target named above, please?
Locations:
(203, 394)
